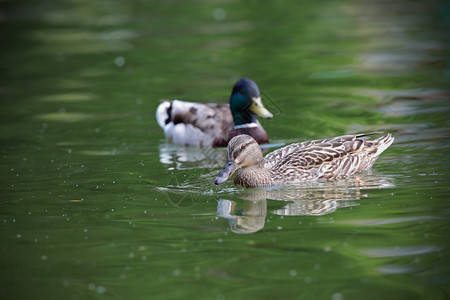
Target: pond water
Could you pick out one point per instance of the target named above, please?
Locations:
(95, 203)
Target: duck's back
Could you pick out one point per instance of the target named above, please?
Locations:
(190, 123)
(325, 159)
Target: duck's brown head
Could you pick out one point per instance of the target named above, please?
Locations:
(243, 152)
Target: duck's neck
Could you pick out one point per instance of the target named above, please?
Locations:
(254, 176)
(240, 109)
(243, 117)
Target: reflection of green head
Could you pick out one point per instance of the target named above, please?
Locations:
(245, 101)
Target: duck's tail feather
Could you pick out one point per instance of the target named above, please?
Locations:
(383, 143)
(186, 134)
(164, 113)
(373, 149)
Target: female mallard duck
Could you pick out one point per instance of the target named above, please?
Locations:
(320, 159)
(203, 125)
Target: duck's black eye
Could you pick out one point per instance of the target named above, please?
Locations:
(243, 147)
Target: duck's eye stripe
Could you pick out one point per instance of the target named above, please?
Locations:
(238, 151)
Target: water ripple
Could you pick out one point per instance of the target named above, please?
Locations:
(396, 269)
(388, 221)
(400, 251)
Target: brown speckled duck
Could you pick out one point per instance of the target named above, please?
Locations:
(206, 125)
(320, 159)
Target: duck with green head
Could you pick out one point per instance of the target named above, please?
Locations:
(208, 124)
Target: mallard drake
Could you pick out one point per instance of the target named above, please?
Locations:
(203, 125)
(320, 159)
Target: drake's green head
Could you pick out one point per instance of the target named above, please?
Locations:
(245, 102)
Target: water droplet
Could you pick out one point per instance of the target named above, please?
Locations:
(219, 14)
(119, 61)
(293, 273)
(336, 296)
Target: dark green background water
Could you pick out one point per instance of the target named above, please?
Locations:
(96, 204)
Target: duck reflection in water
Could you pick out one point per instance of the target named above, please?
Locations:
(182, 158)
(316, 199)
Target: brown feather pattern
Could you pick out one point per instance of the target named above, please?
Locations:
(319, 159)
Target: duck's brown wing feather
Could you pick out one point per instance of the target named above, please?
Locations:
(204, 116)
(213, 120)
(329, 158)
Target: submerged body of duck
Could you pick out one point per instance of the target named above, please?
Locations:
(207, 124)
(319, 159)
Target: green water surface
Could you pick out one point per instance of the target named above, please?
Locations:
(95, 203)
